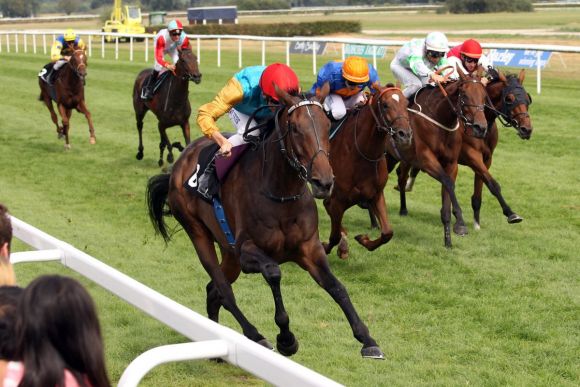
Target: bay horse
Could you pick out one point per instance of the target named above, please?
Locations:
(360, 168)
(437, 113)
(170, 104)
(509, 103)
(272, 215)
(68, 91)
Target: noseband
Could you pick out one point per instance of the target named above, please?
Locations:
(77, 68)
(461, 103)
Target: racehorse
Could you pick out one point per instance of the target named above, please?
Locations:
(437, 113)
(358, 161)
(68, 91)
(272, 215)
(170, 104)
(509, 103)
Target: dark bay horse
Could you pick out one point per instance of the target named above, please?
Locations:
(272, 215)
(170, 104)
(437, 114)
(357, 156)
(509, 103)
(69, 93)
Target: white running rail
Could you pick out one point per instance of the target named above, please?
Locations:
(211, 340)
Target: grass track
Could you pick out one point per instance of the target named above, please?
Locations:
(501, 307)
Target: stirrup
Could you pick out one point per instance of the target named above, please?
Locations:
(146, 95)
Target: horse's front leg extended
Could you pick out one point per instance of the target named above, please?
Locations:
(379, 208)
(83, 109)
(254, 260)
(316, 263)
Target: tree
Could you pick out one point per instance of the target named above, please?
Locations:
(18, 8)
(484, 6)
(68, 6)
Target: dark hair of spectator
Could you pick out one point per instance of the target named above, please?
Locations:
(57, 328)
(9, 296)
(5, 226)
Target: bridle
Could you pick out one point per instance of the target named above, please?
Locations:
(462, 103)
(187, 76)
(77, 67)
(505, 115)
(380, 118)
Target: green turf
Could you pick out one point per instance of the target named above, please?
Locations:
(500, 308)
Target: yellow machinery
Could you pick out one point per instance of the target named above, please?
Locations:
(124, 20)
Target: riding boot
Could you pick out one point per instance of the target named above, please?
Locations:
(207, 183)
(147, 92)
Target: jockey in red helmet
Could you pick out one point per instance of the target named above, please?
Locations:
(248, 90)
(468, 56)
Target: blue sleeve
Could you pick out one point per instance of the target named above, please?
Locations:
(321, 78)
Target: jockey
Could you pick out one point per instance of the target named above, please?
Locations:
(347, 80)
(167, 41)
(415, 63)
(467, 56)
(248, 90)
(60, 53)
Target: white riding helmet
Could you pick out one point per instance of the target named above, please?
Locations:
(437, 41)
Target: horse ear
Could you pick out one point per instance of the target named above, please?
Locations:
(522, 76)
(283, 96)
(376, 85)
(398, 85)
(501, 76)
(322, 93)
(459, 71)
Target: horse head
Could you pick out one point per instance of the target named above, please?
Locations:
(78, 63)
(471, 99)
(389, 108)
(303, 129)
(187, 67)
(511, 102)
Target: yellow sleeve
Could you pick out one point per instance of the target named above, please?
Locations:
(55, 51)
(229, 96)
(81, 44)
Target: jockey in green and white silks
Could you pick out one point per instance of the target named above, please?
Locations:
(416, 63)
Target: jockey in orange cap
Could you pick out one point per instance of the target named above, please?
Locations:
(347, 81)
(167, 41)
(247, 91)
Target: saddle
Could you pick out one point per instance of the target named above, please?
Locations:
(160, 79)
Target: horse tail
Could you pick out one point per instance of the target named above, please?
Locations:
(157, 191)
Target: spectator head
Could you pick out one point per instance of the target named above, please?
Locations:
(6, 271)
(57, 328)
(9, 296)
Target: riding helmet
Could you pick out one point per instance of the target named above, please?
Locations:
(281, 75)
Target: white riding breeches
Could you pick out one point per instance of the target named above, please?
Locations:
(337, 106)
(411, 81)
(58, 64)
(240, 120)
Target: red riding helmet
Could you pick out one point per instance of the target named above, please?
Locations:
(471, 48)
(281, 75)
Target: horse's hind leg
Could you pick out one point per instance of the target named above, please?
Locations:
(140, 111)
(53, 115)
(65, 115)
(254, 260)
(83, 109)
(164, 142)
(335, 209)
(378, 207)
(316, 263)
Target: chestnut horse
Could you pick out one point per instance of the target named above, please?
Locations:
(358, 161)
(68, 90)
(272, 215)
(170, 104)
(509, 103)
(437, 113)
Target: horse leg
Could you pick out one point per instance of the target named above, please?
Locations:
(254, 260)
(231, 269)
(402, 174)
(53, 115)
(164, 142)
(319, 269)
(378, 207)
(140, 110)
(65, 116)
(476, 200)
(83, 109)
(185, 129)
(335, 209)
(410, 180)
(459, 227)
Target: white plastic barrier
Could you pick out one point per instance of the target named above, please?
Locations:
(211, 339)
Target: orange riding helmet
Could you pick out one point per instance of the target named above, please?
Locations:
(355, 69)
(281, 75)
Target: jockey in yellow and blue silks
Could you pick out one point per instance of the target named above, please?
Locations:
(347, 80)
(60, 53)
(248, 90)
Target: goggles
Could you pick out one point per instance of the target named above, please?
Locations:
(175, 32)
(435, 54)
(353, 84)
(468, 59)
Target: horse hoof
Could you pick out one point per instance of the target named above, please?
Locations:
(476, 226)
(514, 218)
(372, 353)
(287, 348)
(160, 163)
(403, 212)
(265, 343)
(139, 156)
(59, 135)
(67, 146)
(170, 158)
(326, 248)
(460, 230)
(92, 141)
